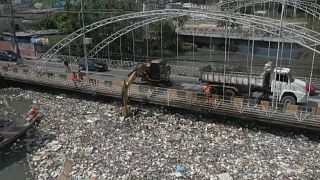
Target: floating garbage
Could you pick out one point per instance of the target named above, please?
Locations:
(159, 143)
(181, 169)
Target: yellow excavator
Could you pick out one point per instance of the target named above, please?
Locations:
(157, 71)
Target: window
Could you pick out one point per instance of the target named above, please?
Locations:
(282, 77)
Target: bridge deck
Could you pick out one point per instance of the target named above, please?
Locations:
(238, 107)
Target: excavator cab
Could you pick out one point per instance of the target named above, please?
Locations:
(159, 71)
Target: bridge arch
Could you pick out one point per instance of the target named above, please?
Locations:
(107, 41)
(300, 35)
(124, 31)
(309, 7)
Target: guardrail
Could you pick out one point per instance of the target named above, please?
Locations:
(175, 69)
(292, 115)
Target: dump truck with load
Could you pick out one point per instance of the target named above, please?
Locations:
(278, 83)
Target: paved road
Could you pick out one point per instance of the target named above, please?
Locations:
(117, 74)
(114, 74)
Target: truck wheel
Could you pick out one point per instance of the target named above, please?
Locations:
(288, 100)
(229, 93)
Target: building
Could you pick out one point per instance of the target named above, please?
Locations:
(29, 2)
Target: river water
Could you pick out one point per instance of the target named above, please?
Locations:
(13, 164)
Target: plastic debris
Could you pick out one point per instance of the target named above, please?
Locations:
(101, 146)
(225, 176)
(182, 169)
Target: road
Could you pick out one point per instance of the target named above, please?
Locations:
(117, 74)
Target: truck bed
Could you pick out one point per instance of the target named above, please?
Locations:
(231, 78)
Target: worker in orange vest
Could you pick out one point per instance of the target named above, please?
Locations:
(208, 91)
(74, 78)
(33, 112)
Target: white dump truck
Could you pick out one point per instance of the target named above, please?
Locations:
(278, 83)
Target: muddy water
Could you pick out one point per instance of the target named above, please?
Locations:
(13, 164)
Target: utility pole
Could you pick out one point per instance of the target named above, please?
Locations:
(13, 26)
(146, 30)
(277, 59)
(85, 42)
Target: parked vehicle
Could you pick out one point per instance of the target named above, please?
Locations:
(13, 54)
(280, 82)
(9, 56)
(93, 65)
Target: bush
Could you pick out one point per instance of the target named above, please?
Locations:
(189, 46)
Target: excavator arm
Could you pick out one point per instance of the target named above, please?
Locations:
(140, 71)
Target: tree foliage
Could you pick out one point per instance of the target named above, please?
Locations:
(70, 19)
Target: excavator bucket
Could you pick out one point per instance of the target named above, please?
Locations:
(142, 71)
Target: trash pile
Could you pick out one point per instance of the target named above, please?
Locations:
(157, 143)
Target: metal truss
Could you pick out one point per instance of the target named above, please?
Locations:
(310, 8)
(307, 6)
(51, 53)
(124, 31)
(300, 35)
(121, 32)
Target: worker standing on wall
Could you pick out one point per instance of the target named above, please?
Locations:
(80, 77)
(67, 67)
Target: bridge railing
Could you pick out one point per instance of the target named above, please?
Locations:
(111, 63)
(179, 68)
(236, 107)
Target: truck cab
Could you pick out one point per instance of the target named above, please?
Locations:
(286, 88)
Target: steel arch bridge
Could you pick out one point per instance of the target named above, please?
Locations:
(300, 35)
(124, 31)
(107, 41)
(307, 6)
